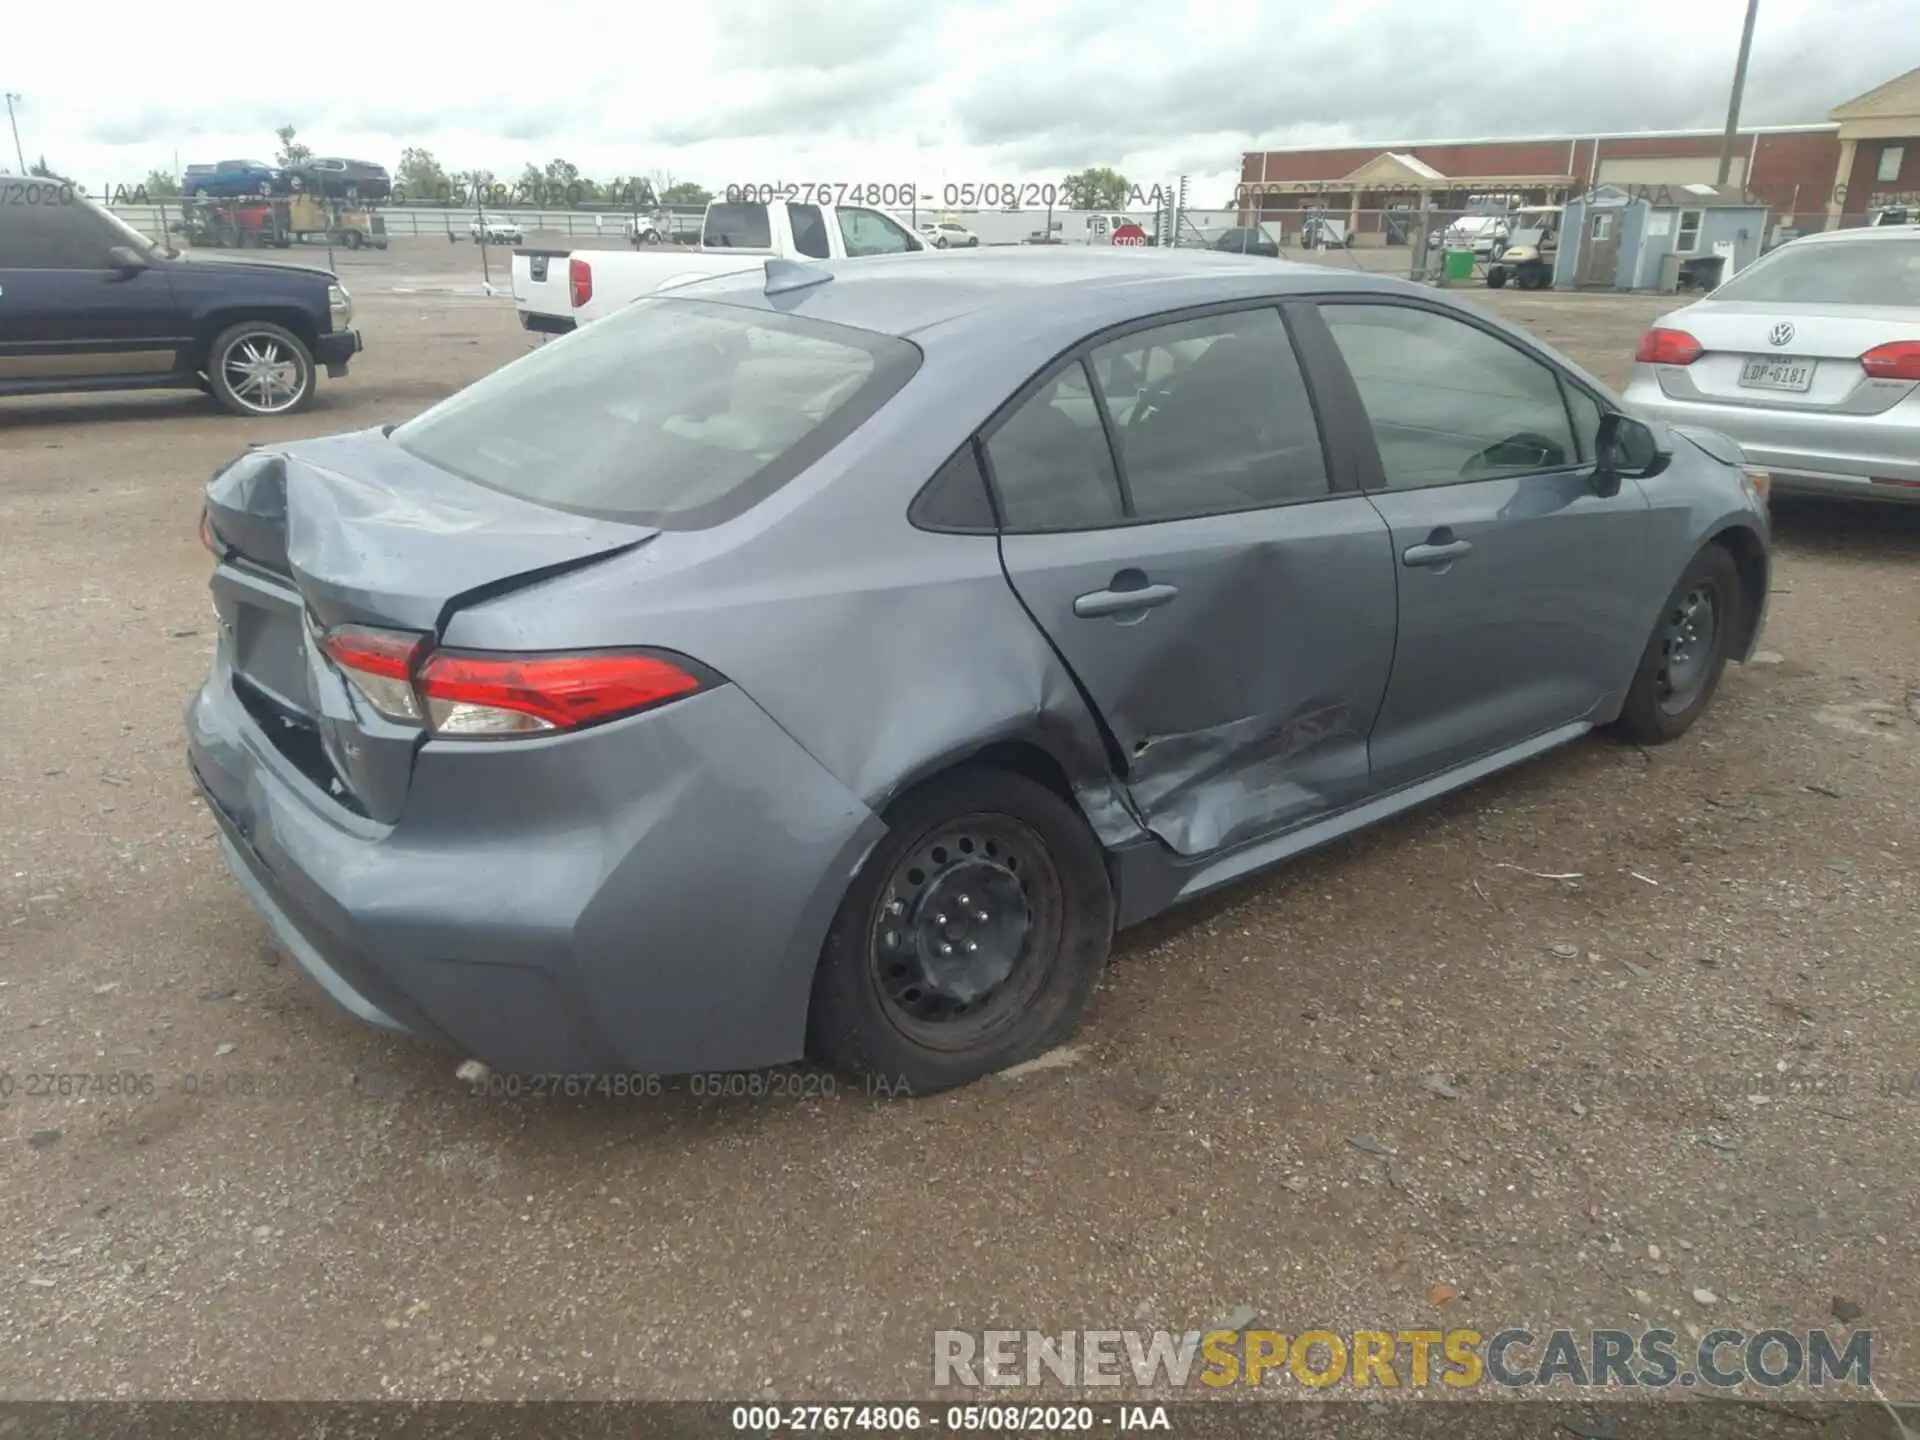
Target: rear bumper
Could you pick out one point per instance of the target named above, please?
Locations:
(335, 349)
(1855, 456)
(546, 324)
(650, 896)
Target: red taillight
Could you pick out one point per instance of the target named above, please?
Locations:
(207, 537)
(1667, 347)
(1899, 360)
(579, 281)
(482, 695)
(380, 663)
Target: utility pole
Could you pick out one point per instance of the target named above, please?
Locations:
(19, 154)
(1739, 85)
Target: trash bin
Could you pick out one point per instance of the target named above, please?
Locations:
(1669, 280)
(1456, 266)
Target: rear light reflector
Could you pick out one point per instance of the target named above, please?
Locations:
(1759, 483)
(579, 281)
(1899, 360)
(476, 695)
(380, 664)
(1667, 347)
(207, 536)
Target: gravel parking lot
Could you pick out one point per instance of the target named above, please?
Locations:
(1613, 1029)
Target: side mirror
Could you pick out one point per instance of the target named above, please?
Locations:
(126, 259)
(1624, 447)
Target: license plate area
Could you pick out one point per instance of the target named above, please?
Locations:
(1785, 373)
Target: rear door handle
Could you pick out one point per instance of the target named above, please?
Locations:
(1122, 602)
(1418, 555)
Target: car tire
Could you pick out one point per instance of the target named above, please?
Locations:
(1043, 942)
(263, 189)
(940, 242)
(352, 240)
(1681, 666)
(265, 350)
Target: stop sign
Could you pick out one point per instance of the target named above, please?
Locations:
(1129, 234)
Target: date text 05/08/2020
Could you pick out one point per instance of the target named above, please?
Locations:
(949, 195)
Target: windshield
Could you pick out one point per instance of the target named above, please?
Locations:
(1846, 272)
(673, 413)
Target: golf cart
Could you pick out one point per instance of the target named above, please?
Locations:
(1526, 255)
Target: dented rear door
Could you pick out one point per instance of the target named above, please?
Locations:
(1238, 658)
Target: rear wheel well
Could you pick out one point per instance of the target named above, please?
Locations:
(1018, 757)
(1750, 560)
(287, 318)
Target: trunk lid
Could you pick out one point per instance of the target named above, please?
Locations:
(1787, 356)
(351, 530)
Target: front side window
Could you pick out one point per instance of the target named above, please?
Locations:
(1211, 416)
(868, 232)
(672, 413)
(69, 236)
(1447, 401)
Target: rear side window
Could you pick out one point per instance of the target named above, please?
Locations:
(674, 413)
(1842, 272)
(739, 227)
(809, 231)
(1211, 416)
(1051, 464)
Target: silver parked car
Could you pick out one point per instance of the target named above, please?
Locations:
(831, 660)
(1809, 358)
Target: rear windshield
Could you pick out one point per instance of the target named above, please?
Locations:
(1840, 272)
(673, 413)
(740, 227)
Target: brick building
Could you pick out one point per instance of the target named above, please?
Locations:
(1866, 155)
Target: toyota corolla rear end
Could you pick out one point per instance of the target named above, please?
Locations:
(1810, 360)
(535, 858)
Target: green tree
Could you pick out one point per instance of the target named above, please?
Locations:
(421, 178)
(1098, 188)
(629, 192)
(159, 185)
(292, 152)
(685, 192)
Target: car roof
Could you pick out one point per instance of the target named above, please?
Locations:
(1861, 234)
(1046, 295)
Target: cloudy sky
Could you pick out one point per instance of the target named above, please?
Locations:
(736, 91)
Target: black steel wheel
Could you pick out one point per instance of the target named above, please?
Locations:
(1687, 652)
(970, 940)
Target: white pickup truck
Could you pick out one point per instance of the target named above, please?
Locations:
(559, 290)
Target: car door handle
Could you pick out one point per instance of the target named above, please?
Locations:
(1122, 602)
(1432, 554)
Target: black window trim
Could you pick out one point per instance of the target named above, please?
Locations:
(1373, 475)
(1081, 352)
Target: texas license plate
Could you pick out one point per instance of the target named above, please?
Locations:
(1766, 374)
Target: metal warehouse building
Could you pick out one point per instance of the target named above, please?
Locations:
(1812, 177)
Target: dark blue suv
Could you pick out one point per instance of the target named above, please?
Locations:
(89, 303)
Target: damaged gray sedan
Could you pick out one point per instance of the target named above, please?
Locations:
(829, 662)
